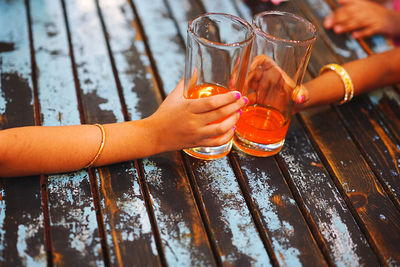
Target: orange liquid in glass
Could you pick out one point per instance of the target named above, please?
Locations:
(262, 125)
(205, 90)
(200, 91)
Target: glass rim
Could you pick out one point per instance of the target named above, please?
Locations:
(282, 13)
(211, 43)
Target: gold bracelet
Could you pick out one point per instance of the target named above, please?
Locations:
(103, 141)
(348, 84)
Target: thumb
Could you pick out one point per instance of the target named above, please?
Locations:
(300, 96)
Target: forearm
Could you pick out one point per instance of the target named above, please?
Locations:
(33, 150)
(366, 74)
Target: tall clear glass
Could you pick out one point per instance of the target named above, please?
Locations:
(281, 50)
(217, 56)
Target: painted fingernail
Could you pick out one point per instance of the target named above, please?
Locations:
(300, 99)
(238, 96)
(240, 112)
(245, 100)
(234, 128)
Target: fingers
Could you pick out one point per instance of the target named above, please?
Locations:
(207, 104)
(365, 32)
(219, 133)
(223, 112)
(328, 22)
(300, 96)
(220, 140)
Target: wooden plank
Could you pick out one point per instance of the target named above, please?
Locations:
(384, 163)
(287, 252)
(356, 247)
(377, 232)
(309, 180)
(73, 226)
(232, 227)
(127, 223)
(281, 218)
(183, 237)
(21, 214)
(162, 36)
(370, 202)
(100, 100)
(183, 241)
(233, 251)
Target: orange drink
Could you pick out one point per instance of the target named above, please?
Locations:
(200, 91)
(280, 54)
(218, 50)
(264, 126)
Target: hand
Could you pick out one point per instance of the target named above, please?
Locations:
(363, 19)
(184, 123)
(267, 83)
(300, 98)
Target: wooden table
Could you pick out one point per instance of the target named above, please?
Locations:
(331, 197)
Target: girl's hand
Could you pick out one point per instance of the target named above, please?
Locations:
(363, 19)
(184, 123)
(300, 97)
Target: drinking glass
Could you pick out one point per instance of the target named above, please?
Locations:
(217, 56)
(281, 50)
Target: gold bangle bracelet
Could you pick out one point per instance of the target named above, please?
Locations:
(348, 84)
(103, 141)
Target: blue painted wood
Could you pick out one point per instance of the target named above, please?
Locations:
(96, 79)
(345, 241)
(162, 36)
(181, 230)
(285, 253)
(21, 214)
(128, 228)
(73, 226)
(291, 239)
(183, 237)
(230, 220)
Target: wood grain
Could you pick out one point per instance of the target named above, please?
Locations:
(21, 213)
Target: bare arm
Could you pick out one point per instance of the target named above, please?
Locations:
(177, 124)
(367, 74)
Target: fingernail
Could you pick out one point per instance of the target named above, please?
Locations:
(234, 128)
(238, 95)
(245, 100)
(240, 112)
(338, 29)
(300, 99)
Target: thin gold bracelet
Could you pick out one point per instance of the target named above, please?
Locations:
(103, 141)
(348, 84)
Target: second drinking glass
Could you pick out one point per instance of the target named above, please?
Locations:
(217, 54)
(281, 50)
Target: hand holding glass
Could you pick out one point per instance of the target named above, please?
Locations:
(280, 54)
(217, 55)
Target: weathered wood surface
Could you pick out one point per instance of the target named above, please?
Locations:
(22, 234)
(70, 62)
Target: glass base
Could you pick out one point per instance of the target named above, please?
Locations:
(256, 149)
(209, 153)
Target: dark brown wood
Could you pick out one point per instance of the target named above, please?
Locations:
(230, 221)
(175, 228)
(128, 226)
(280, 215)
(22, 238)
(70, 206)
(183, 237)
(324, 209)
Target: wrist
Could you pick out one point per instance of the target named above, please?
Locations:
(154, 135)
